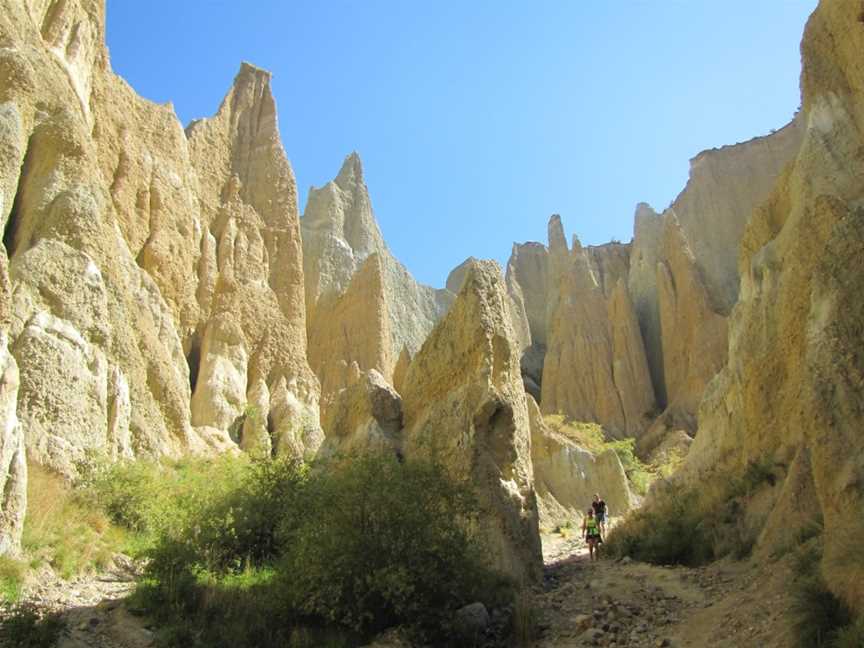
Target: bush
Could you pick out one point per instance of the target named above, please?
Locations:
(385, 543)
(820, 618)
(276, 555)
(28, 627)
(235, 526)
(670, 531)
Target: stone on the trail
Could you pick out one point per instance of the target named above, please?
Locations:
(626, 560)
(582, 621)
(471, 620)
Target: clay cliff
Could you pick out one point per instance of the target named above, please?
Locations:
(464, 404)
(582, 350)
(790, 394)
(152, 277)
(683, 276)
(637, 357)
(363, 305)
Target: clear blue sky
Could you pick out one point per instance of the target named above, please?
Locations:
(476, 120)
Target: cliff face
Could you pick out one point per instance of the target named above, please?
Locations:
(595, 367)
(464, 404)
(583, 354)
(360, 310)
(154, 276)
(792, 389)
(690, 250)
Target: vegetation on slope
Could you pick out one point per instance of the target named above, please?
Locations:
(269, 552)
(591, 437)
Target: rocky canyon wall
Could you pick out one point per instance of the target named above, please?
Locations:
(363, 305)
(152, 278)
(791, 394)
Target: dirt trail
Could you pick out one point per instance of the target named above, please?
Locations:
(629, 604)
(92, 607)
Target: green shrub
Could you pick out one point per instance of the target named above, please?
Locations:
(281, 556)
(820, 618)
(25, 626)
(386, 543)
(235, 527)
(670, 531)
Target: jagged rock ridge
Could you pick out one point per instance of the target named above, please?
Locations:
(142, 261)
(363, 305)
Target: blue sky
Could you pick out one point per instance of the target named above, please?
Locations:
(477, 120)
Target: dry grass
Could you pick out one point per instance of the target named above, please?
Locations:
(62, 530)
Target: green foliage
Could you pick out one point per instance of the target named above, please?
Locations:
(12, 573)
(26, 627)
(385, 543)
(820, 618)
(591, 437)
(670, 531)
(693, 526)
(636, 471)
(235, 526)
(249, 553)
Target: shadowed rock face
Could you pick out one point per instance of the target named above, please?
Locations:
(791, 392)
(359, 310)
(710, 214)
(464, 404)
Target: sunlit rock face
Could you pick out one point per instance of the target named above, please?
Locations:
(363, 305)
(464, 405)
(582, 351)
(566, 476)
(791, 391)
(152, 276)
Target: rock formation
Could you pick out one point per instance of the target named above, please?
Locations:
(566, 476)
(584, 356)
(792, 390)
(363, 304)
(710, 214)
(13, 464)
(365, 417)
(143, 261)
(251, 272)
(464, 405)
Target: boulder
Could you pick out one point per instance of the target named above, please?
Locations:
(366, 417)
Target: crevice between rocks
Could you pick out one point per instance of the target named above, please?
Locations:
(13, 224)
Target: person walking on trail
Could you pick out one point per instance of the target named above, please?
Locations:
(601, 512)
(591, 533)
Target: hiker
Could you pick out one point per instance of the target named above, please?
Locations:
(591, 533)
(601, 512)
